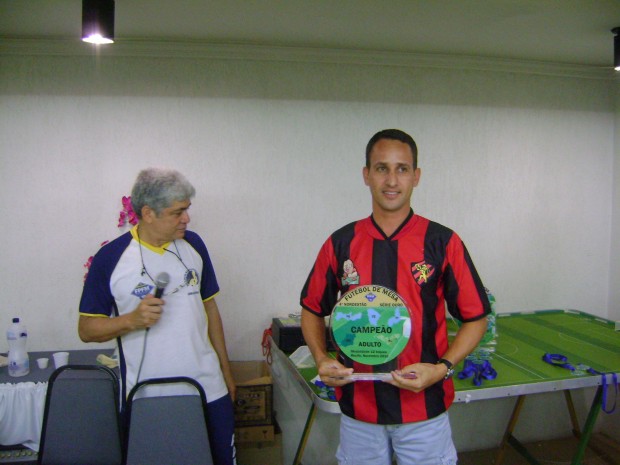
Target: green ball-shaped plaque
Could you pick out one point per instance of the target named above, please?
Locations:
(371, 324)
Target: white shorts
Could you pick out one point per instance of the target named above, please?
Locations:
(421, 443)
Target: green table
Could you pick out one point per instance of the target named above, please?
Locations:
(523, 338)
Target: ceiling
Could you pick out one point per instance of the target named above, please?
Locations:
(559, 31)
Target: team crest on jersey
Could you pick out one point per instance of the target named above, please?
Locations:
(349, 276)
(421, 272)
(191, 277)
(142, 289)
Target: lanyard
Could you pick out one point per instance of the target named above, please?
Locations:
(479, 371)
(561, 361)
(614, 383)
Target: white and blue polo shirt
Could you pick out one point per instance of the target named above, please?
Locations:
(178, 345)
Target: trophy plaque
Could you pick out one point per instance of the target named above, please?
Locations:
(371, 325)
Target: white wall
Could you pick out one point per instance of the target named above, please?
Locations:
(521, 165)
(614, 281)
(610, 422)
(522, 161)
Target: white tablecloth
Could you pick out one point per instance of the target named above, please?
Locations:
(21, 413)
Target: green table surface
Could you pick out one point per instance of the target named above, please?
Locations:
(522, 340)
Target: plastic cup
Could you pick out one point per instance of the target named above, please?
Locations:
(42, 362)
(61, 359)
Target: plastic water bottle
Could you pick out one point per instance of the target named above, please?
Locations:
(17, 336)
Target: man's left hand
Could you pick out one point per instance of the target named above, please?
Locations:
(426, 374)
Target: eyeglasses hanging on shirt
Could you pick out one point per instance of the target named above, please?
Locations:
(177, 254)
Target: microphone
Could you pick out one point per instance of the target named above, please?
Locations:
(161, 281)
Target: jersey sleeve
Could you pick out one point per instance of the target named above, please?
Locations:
(320, 293)
(97, 298)
(465, 296)
(208, 281)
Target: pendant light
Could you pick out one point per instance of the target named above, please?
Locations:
(98, 21)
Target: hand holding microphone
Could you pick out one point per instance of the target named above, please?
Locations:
(161, 281)
(149, 311)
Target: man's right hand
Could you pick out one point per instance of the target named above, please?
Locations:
(147, 313)
(332, 372)
(93, 328)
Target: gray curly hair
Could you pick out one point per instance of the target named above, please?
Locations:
(159, 188)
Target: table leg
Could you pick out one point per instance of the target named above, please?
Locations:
(305, 435)
(573, 415)
(521, 449)
(588, 427)
(499, 458)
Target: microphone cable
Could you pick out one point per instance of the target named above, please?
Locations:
(160, 282)
(146, 335)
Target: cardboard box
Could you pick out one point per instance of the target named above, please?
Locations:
(253, 405)
(286, 333)
(260, 453)
(253, 435)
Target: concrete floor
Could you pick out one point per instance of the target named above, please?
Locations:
(604, 451)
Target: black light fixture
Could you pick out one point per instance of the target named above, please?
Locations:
(616, 31)
(98, 21)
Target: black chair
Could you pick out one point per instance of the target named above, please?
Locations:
(81, 422)
(167, 429)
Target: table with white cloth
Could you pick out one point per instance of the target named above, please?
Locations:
(22, 399)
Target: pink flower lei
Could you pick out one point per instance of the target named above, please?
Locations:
(126, 215)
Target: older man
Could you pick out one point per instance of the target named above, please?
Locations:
(178, 334)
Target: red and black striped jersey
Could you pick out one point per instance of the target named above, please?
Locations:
(428, 265)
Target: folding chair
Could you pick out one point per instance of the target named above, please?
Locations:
(81, 423)
(167, 429)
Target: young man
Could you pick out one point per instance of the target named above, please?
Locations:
(179, 334)
(428, 265)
